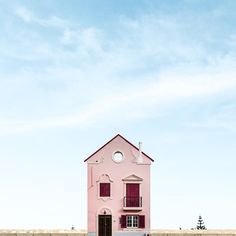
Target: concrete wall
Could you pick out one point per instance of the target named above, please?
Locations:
(84, 233)
(193, 232)
(43, 233)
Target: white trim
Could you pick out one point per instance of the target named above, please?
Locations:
(110, 181)
(132, 177)
(123, 156)
(133, 229)
(97, 214)
(97, 161)
(105, 175)
(104, 208)
(135, 155)
(132, 221)
(140, 194)
(147, 164)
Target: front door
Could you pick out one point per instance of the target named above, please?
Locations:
(104, 225)
(132, 195)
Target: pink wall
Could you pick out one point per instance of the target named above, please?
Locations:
(102, 163)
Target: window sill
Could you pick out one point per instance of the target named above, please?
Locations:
(132, 208)
(133, 229)
(104, 198)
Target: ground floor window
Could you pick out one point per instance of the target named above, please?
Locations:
(132, 221)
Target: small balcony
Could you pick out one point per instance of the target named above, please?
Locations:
(132, 203)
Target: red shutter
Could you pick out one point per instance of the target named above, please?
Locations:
(108, 190)
(101, 190)
(104, 189)
(132, 195)
(123, 221)
(141, 221)
(132, 190)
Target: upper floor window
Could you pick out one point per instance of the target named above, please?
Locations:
(132, 193)
(104, 187)
(132, 198)
(105, 190)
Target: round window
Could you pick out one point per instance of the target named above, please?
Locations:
(118, 156)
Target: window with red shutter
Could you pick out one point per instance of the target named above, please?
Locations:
(105, 190)
(132, 221)
(142, 221)
(132, 195)
(123, 221)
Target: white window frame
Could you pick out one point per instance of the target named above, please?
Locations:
(133, 223)
(122, 156)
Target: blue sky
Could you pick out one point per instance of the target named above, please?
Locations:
(73, 74)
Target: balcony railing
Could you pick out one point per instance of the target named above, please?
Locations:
(132, 202)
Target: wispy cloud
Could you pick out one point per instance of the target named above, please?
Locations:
(143, 98)
(223, 117)
(53, 21)
(28, 16)
(213, 124)
(24, 14)
(84, 41)
(137, 71)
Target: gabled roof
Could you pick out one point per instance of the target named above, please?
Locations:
(118, 135)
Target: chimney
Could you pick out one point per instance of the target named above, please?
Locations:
(140, 158)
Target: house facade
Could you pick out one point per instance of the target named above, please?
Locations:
(118, 176)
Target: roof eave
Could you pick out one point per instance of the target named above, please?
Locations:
(113, 139)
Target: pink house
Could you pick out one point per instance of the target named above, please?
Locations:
(118, 190)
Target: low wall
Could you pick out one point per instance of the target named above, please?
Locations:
(45, 232)
(219, 232)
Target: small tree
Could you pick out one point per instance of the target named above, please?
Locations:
(200, 223)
